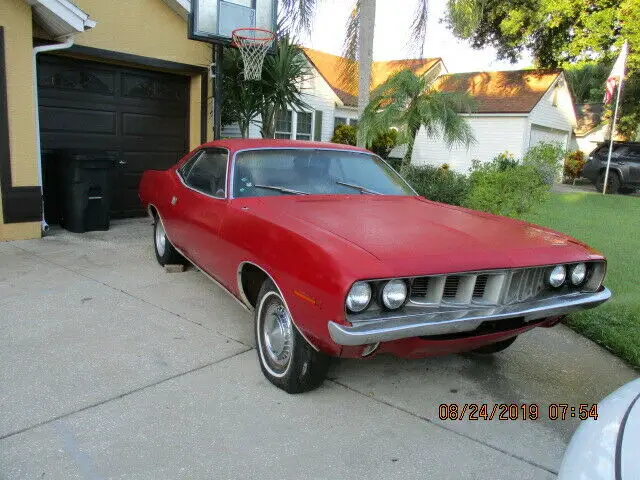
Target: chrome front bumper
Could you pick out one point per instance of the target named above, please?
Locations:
(421, 323)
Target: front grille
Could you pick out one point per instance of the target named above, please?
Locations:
(451, 287)
(499, 287)
(479, 287)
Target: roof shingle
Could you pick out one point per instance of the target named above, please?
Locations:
(330, 67)
(516, 91)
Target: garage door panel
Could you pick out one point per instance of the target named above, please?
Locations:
(139, 116)
(152, 125)
(70, 75)
(152, 87)
(548, 135)
(141, 161)
(57, 119)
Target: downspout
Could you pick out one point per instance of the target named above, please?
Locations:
(36, 50)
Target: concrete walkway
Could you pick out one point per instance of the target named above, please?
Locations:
(110, 368)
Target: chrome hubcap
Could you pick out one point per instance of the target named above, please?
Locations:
(161, 238)
(277, 333)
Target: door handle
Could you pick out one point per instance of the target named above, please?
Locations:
(174, 200)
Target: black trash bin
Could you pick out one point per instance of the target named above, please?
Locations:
(84, 183)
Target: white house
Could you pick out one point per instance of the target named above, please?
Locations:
(589, 131)
(514, 111)
(332, 99)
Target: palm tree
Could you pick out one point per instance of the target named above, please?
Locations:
(408, 102)
(280, 88)
(358, 45)
(282, 77)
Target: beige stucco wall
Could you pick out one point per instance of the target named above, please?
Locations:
(148, 28)
(15, 18)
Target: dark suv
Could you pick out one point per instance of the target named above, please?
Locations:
(624, 172)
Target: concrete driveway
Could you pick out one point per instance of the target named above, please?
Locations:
(110, 368)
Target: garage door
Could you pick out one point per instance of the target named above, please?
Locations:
(549, 135)
(139, 117)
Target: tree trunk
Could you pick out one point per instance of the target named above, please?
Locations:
(365, 55)
(406, 161)
(268, 128)
(244, 128)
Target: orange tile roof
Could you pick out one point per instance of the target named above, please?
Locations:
(516, 91)
(329, 66)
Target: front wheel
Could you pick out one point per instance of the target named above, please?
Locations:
(165, 253)
(286, 358)
(613, 182)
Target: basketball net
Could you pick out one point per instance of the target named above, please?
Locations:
(253, 43)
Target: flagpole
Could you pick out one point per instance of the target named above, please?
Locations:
(615, 117)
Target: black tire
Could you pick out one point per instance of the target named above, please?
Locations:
(165, 253)
(301, 367)
(496, 347)
(613, 182)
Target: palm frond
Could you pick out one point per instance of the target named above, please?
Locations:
(418, 30)
(296, 16)
(348, 64)
(408, 102)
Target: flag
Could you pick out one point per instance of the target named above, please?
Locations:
(616, 75)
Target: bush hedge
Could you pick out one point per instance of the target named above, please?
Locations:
(509, 190)
(438, 184)
(573, 165)
(546, 158)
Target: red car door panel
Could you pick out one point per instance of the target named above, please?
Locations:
(199, 207)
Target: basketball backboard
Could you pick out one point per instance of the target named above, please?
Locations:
(213, 21)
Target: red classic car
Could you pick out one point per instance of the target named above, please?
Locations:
(339, 257)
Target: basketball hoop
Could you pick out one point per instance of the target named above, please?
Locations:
(253, 44)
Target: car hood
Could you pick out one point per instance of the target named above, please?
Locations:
(416, 233)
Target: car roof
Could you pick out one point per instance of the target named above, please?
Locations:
(236, 144)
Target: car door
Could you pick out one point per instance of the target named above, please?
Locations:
(634, 164)
(201, 206)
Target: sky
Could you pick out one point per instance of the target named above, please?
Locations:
(391, 35)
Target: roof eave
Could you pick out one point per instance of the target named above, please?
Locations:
(181, 7)
(60, 18)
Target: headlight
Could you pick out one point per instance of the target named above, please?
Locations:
(358, 297)
(394, 293)
(578, 274)
(557, 276)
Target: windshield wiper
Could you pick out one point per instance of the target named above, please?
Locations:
(281, 189)
(359, 187)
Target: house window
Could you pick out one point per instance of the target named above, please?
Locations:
(353, 122)
(283, 124)
(339, 121)
(303, 126)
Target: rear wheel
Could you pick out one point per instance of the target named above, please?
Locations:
(286, 358)
(165, 253)
(613, 182)
(496, 347)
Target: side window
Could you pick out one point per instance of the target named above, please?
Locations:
(634, 153)
(207, 172)
(619, 151)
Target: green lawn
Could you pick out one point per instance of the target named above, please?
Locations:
(611, 224)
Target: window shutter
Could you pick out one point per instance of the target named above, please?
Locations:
(317, 131)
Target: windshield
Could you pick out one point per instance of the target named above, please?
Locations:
(260, 173)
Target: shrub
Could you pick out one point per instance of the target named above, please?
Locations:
(505, 160)
(438, 184)
(396, 163)
(546, 158)
(573, 165)
(505, 190)
(345, 134)
(384, 143)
